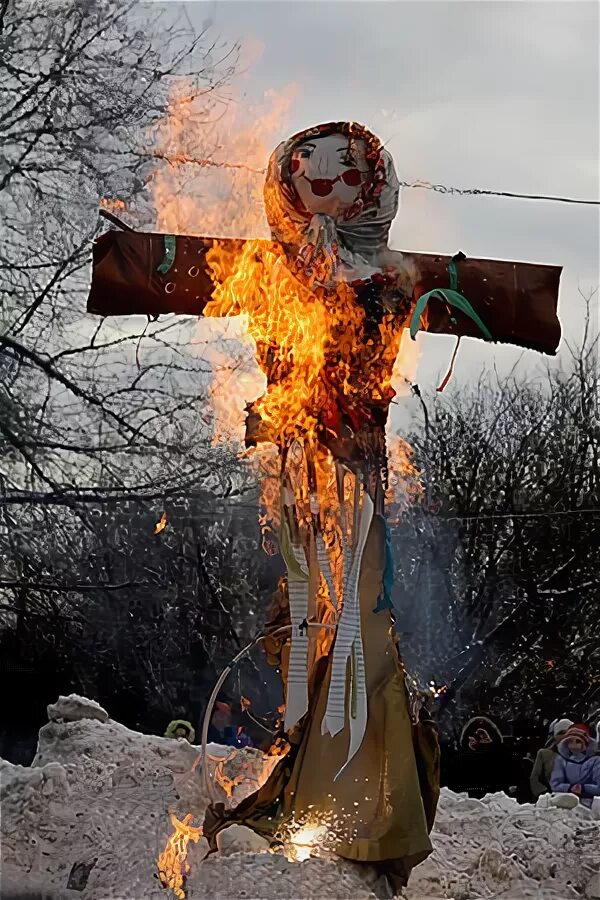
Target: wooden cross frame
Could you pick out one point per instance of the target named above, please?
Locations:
(154, 274)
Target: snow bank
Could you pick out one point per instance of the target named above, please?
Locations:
(97, 796)
(73, 708)
(496, 847)
(89, 818)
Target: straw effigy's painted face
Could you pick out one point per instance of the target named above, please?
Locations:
(329, 173)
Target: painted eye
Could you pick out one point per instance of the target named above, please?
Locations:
(348, 159)
(304, 152)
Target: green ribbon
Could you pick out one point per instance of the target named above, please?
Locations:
(453, 298)
(168, 259)
(453, 273)
(285, 548)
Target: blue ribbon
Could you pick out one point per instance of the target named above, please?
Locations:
(384, 601)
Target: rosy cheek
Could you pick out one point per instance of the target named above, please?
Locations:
(294, 165)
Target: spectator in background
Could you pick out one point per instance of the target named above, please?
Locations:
(237, 737)
(179, 728)
(223, 729)
(577, 767)
(483, 764)
(522, 763)
(543, 766)
(220, 723)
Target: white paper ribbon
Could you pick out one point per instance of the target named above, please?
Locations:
(348, 631)
(297, 684)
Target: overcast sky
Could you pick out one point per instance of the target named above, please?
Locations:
(492, 95)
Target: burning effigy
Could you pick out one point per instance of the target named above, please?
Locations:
(326, 303)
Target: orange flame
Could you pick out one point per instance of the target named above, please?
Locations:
(290, 326)
(404, 484)
(279, 747)
(316, 352)
(210, 157)
(313, 346)
(113, 204)
(161, 525)
(172, 864)
(227, 783)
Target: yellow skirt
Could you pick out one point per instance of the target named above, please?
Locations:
(383, 803)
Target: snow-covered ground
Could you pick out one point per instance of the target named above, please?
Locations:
(90, 817)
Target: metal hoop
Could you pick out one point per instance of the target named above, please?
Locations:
(208, 783)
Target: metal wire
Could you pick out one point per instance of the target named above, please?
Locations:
(476, 192)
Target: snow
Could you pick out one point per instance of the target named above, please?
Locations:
(90, 817)
(73, 708)
(498, 848)
(239, 839)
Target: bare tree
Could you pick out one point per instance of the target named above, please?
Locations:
(497, 569)
(101, 421)
(81, 84)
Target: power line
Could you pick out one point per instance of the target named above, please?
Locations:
(419, 183)
(223, 506)
(443, 189)
(526, 515)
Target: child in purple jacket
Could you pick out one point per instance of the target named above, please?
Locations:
(577, 768)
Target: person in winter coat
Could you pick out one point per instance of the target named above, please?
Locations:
(543, 766)
(220, 721)
(180, 728)
(483, 764)
(577, 767)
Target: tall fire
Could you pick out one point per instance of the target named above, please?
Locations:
(313, 345)
(209, 180)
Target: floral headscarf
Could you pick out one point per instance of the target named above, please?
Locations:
(360, 233)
